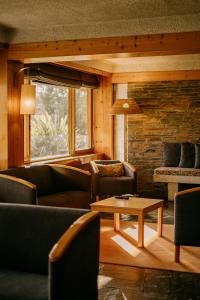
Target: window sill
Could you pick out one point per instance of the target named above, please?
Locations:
(78, 159)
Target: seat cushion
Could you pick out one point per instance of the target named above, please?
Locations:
(171, 154)
(187, 159)
(177, 171)
(74, 199)
(16, 285)
(116, 185)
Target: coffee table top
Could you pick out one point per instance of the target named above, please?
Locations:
(131, 205)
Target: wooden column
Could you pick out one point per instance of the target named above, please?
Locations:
(103, 121)
(3, 110)
(15, 120)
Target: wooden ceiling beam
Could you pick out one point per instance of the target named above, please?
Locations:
(129, 46)
(86, 69)
(155, 76)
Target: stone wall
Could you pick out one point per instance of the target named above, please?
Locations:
(172, 114)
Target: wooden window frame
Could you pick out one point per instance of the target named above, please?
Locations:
(71, 129)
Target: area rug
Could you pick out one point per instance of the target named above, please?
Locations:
(158, 253)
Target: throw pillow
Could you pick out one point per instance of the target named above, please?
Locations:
(171, 154)
(197, 156)
(111, 170)
(187, 159)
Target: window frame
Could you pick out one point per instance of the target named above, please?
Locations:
(71, 128)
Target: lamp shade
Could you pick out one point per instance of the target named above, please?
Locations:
(27, 105)
(125, 107)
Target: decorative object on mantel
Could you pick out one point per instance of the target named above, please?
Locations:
(123, 105)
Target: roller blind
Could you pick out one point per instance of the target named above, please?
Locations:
(58, 75)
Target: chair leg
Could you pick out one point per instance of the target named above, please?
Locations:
(177, 254)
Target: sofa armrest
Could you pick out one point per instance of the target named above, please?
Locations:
(67, 177)
(74, 260)
(16, 190)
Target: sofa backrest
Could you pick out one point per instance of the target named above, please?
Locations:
(28, 232)
(41, 176)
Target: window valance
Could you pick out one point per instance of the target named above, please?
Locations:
(58, 75)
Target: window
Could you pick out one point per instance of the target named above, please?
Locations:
(61, 125)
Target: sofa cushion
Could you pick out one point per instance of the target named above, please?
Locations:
(171, 154)
(16, 285)
(187, 159)
(177, 171)
(197, 156)
(73, 199)
(111, 170)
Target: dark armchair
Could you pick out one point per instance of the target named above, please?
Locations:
(187, 219)
(126, 183)
(48, 253)
(51, 185)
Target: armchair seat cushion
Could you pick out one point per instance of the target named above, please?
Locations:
(15, 285)
(73, 199)
(115, 185)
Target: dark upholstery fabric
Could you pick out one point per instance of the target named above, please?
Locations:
(187, 159)
(81, 279)
(187, 221)
(67, 179)
(15, 192)
(49, 180)
(111, 186)
(116, 186)
(171, 154)
(41, 176)
(34, 230)
(15, 285)
(73, 199)
(197, 156)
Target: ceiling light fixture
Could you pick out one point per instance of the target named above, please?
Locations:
(124, 105)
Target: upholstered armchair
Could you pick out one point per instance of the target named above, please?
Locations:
(112, 177)
(48, 253)
(187, 219)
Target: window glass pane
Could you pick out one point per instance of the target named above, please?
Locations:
(82, 119)
(49, 126)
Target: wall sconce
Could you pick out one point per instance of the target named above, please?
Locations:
(28, 95)
(27, 103)
(123, 105)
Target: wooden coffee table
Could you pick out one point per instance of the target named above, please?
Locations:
(133, 206)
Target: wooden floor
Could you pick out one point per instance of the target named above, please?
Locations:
(130, 283)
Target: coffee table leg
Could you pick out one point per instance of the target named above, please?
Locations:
(160, 220)
(116, 221)
(141, 230)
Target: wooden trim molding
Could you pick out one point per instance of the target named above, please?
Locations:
(126, 46)
(19, 180)
(155, 76)
(70, 234)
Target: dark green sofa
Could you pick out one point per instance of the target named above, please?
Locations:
(51, 185)
(29, 234)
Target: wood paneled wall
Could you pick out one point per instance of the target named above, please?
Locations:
(103, 121)
(3, 110)
(15, 120)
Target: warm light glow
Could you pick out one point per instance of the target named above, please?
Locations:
(127, 246)
(27, 106)
(149, 234)
(103, 280)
